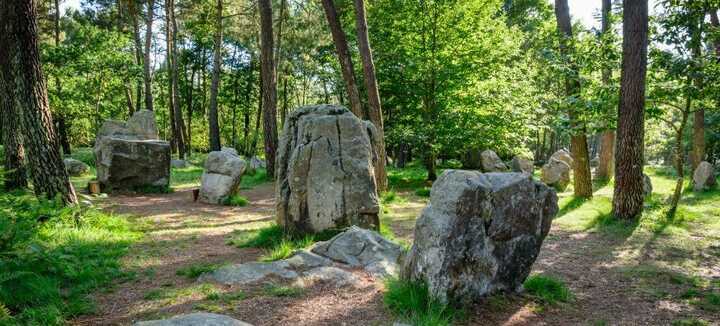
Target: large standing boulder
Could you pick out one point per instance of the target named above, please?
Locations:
(491, 162)
(556, 173)
(480, 234)
(521, 164)
(130, 156)
(704, 176)
(564, 156)
(75, 167)
(324, 171)
(221, 178)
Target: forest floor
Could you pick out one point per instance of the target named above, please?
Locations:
(653, 272)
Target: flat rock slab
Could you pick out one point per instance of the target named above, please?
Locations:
(250, 272)
(334, 276)
(359, 247)
(195, 319)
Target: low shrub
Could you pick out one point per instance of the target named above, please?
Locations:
(547, 289)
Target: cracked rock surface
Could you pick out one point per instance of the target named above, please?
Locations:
(195, 319)
(325, 176)
(480, 234)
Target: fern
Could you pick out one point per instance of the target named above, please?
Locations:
(4, 313)
(13, 276)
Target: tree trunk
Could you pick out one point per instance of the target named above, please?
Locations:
(343, 52)
(628, 193)
(146, 61)
(607, 138)
(14, 165)
(217, 62)
(698, 142)
(63, 128)
(190, 103)
(582, 181)
(179, 125)
(679, 159)
(375, 109)
(20, 42)
(132, 11)
(267, 73)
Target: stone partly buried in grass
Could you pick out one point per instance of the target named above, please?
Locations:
(325, 176)
(480, 234)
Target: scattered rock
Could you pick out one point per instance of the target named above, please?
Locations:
(129, 155)
(221, 178)
(491, 162)
(328, 275)
(564, 156)
(250, 272)
(647, 185)
(257, 163)
(704, 177)
(471, 159)
(325, 176)
(556, 173)
(75, 167)
(195, 319)
(480, 234)
(359, 247)
(179, 164)
(521, 164)
(229, 150)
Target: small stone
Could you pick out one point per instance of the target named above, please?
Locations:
(521, 164)
(178, 164)
(491, 162)
(75, 168)
(221, 178)
(704, 177)
(195, 319)
(556, 173)
(564, 156)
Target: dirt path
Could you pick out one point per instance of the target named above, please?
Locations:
(180, 233)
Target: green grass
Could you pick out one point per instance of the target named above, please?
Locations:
(279, 244)
(236, 200)
(423, 192)
(413, 176)
(690, 322)
(172, 296)
(195, 270)
(186, 177)
(411, 302)
(251, 181)
(84, 154)
(547, 289)
(274, 290)
(53, 257)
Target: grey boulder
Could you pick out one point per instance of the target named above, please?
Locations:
(129, 155)
(250, 272)
(221, 178)
(324, 171)
(480, 234)
(521, 164)
(647, 185)
(704, 177)
(229, 150)
(556, 173)
(331, 275)
(564, 156)
(178, 164)
(75, 167)
(359, 247)
(491, 162)
(195, 319)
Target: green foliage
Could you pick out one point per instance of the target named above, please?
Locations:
(690, 322)
(186, 177)
(411, 301)
(250, 181)
(85, 155)
(52, 257)
(236, 200)
(423, 192)
(195, 270)
(547, 289)
(413, 176)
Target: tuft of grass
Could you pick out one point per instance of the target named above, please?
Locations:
(547, 289)
(283, 291)
(236, 200)
(174, 295)
(411, 301)
(690, 322)
(423, 192)
(195, 270)
(280, 244)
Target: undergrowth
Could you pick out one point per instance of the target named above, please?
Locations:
(278, 243)
(547, 289)
(236, 200)
(412, 302)
(53, 257)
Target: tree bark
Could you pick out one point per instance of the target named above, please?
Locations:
(582, 181)
(14, 165)
(267, 73)
(146, 61)
(132, 11)
(375, 109)
(217, 62)
(698, 142)
(607, 138)
(679, 158)
(343, 52)
(20, 41)
(629, 156)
